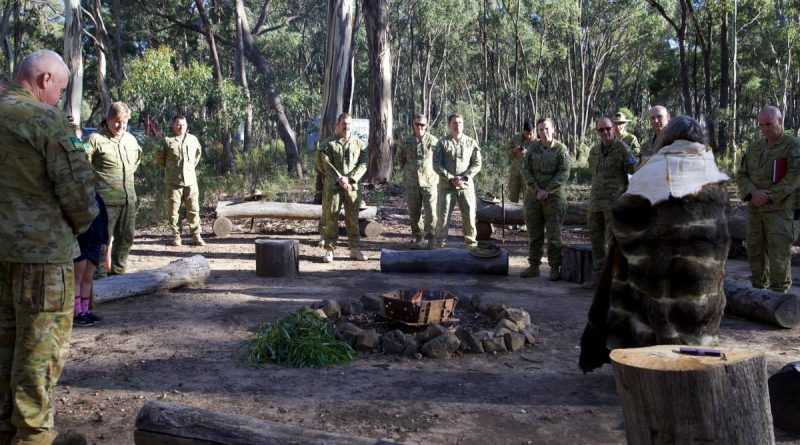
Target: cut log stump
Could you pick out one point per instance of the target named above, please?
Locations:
(576, 262)
(442, 261)
(784, 397)
(184, 272)
(484, 230)
(277, 257)
(370, 228)
(165, 423)
(762, 305)
(671, 398)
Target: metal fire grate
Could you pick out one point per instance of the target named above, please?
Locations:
(419, 306)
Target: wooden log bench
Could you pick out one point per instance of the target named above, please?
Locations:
(447, 260)
(184, 272)
(762, 305)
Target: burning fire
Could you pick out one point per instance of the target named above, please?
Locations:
(417, 298)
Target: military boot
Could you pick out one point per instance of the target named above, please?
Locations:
(530, 272)
(328, 257)
(175, 241)
(197, 240)
(355, 253)
(422, 243)
(555, 273)
(49, 438)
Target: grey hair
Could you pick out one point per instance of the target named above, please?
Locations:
(681, 128)
(41, 61)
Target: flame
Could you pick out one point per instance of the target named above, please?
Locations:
(417, 298)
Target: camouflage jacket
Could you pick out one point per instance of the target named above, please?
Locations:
(547, 168)
(632, 141)
(609, 168)
(415, 158)
(179, 155)
(47, 185)
(115, 161)
(517, 160)
(756, 169)
(453, 158)
(343, 157)
(646, 149)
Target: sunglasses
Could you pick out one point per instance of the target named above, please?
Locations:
(600, 130)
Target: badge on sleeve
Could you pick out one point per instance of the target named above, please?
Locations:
(77, 143)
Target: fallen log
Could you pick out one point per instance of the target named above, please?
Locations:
(675, 398)
(186, 271)
(762, 305)
(165, 423)
(447, 260)
(575, 214)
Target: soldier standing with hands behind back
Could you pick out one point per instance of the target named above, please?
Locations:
(517, 148)
(415, 158)
(46, 200)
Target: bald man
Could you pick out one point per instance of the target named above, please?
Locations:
(659, 118)
(46, 199)
(768, 178)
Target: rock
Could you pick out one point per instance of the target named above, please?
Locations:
(520, 317)
(485, 334)
(411, 347)
(319, 312)
(529, 338)
(371, 302)
(494, 311)
(469, 341)
(368, 340)
(514, 341)
(503, 331)
(431, 332)
(505, 323)
(494, 344)
(332, 309)
(348, 332)
(394, 342)
(475, 302)
(351, 307)
(441, 347)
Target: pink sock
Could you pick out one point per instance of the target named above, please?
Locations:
(77, 310)
(84, 305)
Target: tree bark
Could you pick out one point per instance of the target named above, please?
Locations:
(669, 397)
(5, 30)
(376, 20)
(515, 213)
(101, 43)
(184, 272)
(447, 260)
(73, 57)
(762, 305)
(724, 86)
(338, 65)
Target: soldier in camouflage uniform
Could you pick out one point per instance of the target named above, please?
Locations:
(343, 161)
(115, 156)
(516, 148)
(771, 201)
(610, 163)
(179, 155)
(546, 171)
(456, 159)
(659, 117)
(620, 122)
(46, 199)
(415, 158)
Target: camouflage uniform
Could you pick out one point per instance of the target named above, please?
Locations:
(179, 155)
(115, 160)
(545, 168)
(770, 230)
(609, 168)
(646, 150)
(516, 181)
(415, 158)
(46, 199)
(341, 157)
(453, 158)
(632, 141)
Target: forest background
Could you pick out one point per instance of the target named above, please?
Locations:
(255, 77)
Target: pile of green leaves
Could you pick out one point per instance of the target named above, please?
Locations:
(299, 340)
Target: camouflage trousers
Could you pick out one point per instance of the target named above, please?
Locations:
(769, 245)
(421, 198)
(599, 225)
(36, 302)
(544, 217)
(516, 185)
(189, 196)
(122, 226)
(333, 199)
(446, 202)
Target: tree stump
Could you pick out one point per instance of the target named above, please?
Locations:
(672, 398)
(762, 305)
(222, 227)
(370, 228)
(784, 397)
(484, 230)
(277, 257)
(576, 262)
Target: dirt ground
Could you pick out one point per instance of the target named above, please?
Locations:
(185, 345)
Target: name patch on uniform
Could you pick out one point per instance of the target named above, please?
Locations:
(77, 143)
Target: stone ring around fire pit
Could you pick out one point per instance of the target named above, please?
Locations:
(440, 331)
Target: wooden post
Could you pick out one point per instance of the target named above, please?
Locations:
(672, 398)
(576, 262)
(277, 258)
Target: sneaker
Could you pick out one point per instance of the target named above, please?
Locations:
(530, 272)
(94, 318)
(80, 321)
(355, 254)
(176, 241)
(197, 240)
(555, 274)
(328, 258)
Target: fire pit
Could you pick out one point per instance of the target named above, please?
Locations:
(420, 307)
